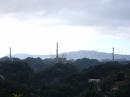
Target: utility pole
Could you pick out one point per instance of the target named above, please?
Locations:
(57, 57)
(113, 51)
(10, 55)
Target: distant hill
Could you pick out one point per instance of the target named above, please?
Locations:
(79, 55)
(95, 55)
(24, 56)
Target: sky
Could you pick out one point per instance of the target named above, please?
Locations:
(34, 26)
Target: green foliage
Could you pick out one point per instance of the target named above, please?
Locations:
(16, 70)
(17, 95)
(64, 80)
(86, 63)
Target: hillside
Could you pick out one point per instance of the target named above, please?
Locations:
(62, 80)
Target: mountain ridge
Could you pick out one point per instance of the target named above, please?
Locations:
(78, 55)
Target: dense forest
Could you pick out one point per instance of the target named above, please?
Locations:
(35, 77)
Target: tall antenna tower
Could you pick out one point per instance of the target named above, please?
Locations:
(10, 53)
(57, 55)
(113, 54)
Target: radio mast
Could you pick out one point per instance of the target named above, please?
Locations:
(10, 53)
(113, 55)
(57, 55)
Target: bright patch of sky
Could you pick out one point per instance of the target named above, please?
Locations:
(34, 26)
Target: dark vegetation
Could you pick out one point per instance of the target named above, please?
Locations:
(34, 77)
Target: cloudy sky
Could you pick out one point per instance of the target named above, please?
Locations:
(34, 26)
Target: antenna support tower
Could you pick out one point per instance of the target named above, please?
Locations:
(113, 55)
(10, 54)
(57, 55)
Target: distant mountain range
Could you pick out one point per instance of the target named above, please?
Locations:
(78, 55)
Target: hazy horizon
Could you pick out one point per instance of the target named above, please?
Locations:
(34, 26)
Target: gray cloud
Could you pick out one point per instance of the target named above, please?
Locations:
(75, 12)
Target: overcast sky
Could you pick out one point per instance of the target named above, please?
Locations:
(34, 26)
